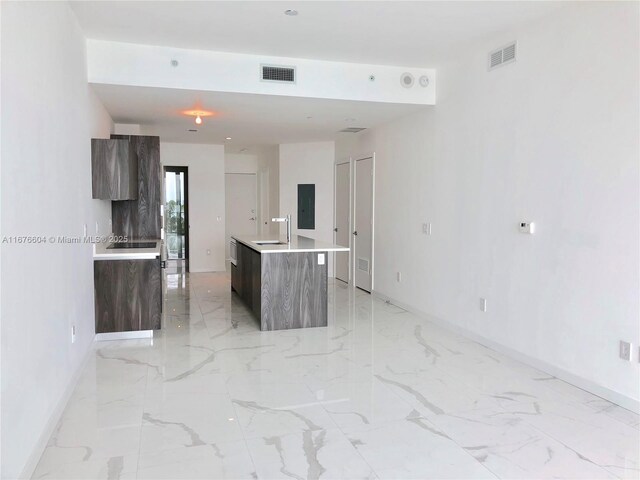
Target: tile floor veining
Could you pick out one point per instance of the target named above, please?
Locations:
(380, 393)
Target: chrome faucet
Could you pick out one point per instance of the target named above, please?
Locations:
(285, 219)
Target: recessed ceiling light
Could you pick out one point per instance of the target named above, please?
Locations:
(291, 13)
(228, 138)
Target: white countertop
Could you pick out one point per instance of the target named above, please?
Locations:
(298, 244)
(100, 251)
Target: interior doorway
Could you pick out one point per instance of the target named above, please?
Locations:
(241, 194)
(176, 213)
(363, 223)
(342, 226)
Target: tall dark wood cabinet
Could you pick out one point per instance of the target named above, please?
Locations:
(141, 218)
(114, 170)
(128, 295)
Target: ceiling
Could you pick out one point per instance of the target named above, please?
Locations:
(405, 33)
(249, 120)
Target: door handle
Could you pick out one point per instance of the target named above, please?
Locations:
(252, 218)
(335, 229)
(355, 232)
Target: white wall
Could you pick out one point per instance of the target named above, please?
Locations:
(127, 129)
(553, 139)
(118, 63)
(240, 163)
(308, 163)
(49, 115)
(206, 201)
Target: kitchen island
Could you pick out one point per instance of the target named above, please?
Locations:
(283, 284)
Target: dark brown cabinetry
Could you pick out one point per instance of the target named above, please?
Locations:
(114, 170)
(245, 277)
(128, 295)
(140, 218)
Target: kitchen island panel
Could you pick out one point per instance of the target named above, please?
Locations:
(293, 291)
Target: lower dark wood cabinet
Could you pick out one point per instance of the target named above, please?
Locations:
(128, 295)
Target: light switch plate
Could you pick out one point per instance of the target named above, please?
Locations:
(483, 304)
(321, 259)
(625, 351)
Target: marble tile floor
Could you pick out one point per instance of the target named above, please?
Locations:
(379, 393)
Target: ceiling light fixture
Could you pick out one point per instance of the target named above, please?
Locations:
(291, 13)
(198, 114)
(228, 138)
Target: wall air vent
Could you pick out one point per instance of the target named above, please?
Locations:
(502, 56)
(363, 265)
(273, 73)
(352, 130)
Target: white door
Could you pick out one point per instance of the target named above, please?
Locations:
(240, 205)
(363, 224)
(343, 217)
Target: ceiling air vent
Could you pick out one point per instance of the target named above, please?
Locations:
(502, 56)
(272, 73)
(352, 130)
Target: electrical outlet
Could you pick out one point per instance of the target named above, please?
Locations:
(426, 228)
(321, 259)
(625, 351)
(73, 334)
(527, 227)
(483, 304)
(399, 277)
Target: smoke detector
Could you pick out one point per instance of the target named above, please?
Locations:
(406, 80)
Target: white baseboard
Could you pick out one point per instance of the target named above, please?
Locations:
(575, 380)
(101, 337)
(54, 418)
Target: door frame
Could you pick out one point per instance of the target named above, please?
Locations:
(185, 170)
(358, 158)
(346, 160)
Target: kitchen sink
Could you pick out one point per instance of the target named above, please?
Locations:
(269, 242)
